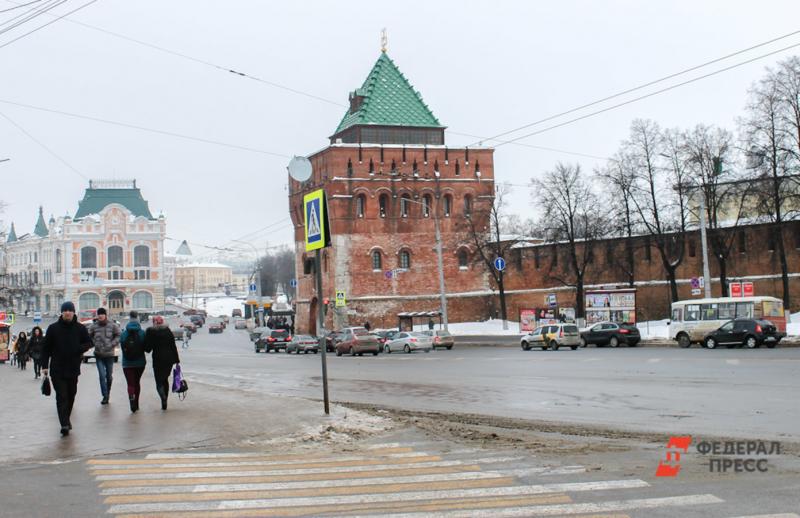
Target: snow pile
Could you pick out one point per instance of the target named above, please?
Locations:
(793, 327)
(490, 328)
(223, 306)
(654, 329)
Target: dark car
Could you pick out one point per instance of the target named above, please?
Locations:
(385, 335)
(744, 331)
(216, 327)
(331, 339)
(611, 334)
(236, 313)
(357, 341)
(189, 326)
(273, 340)
(197, 320)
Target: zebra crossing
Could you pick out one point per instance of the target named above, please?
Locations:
(393, 479)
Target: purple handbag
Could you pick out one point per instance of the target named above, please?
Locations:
(179, 385)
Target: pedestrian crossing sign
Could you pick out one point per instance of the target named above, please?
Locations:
(316, 220)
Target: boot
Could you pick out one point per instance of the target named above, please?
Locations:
(163, 395)
(134, 406)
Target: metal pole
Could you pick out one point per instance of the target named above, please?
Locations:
(440, 261)
(320, 322)
(704, 243)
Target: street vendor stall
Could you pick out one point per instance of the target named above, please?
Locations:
(5, 341)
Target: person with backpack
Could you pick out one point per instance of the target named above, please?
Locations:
(133, 358)
(105, 337)
(37, 342)
(161, 342)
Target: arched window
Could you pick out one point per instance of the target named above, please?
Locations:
(405, 260)
(142, 300)
(88, 301)
(58, 260)
(377, 260)
(426, 206)
(463, 259)
(383, 205)
(36, 277)
(467, 206)
(361, 205)
(47, 302)
(115, 262)
(448, 205)
(88, 257)
(141, 262)
(405, 202)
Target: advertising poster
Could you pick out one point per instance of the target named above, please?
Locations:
(527, 320)
(611, 305)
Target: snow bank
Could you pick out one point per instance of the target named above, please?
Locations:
(489, 327)
(793, 327)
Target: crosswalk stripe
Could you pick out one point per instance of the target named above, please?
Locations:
(425, 508)
(395, 447)
(416, 470)
(568, 509)
(388, 487)
(246, 466)
(294, 471)
(321, 484)
(191, 502)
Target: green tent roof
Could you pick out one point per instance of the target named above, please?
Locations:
(12, 235)
(389, 100)
(41, 228)
(95, 200)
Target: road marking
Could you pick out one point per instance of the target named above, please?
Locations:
(783, 515)
(320, 484)
(392, 447)
(569, 509)
(276, 466)
(654, 360)
(191, 502)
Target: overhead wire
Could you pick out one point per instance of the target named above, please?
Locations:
(87, 4)
(648, 95)
(643, 85)
(25, 13)
(19, 6)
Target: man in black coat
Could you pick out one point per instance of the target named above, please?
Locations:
(64, 344)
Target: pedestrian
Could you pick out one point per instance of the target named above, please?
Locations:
(161, 342)
(13, 351)
(430, 324)
(35, 350)
(64, 344)
(23, 349)
(133, 358)
(367, 325)
(105, 337)
(185, 336)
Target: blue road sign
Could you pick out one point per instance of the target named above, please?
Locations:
(293, 283)
(253, 287)
(500, 264)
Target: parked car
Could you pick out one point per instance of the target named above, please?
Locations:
(385, 335)
(216, 327)
(197, 320)
(189, 326)
(273, 340)
(408, 341)
(236, 313)
(611, 334)
(303, 343)
(552, 336)
(331, 339)
(240, 323)
(357, 340)
(744, 331)
(177, 332)
(441, 338)
(256, 332)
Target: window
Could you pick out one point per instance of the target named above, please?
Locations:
(448, 205)
(115, 262)
(692, 312)
(426, 206)
(710, 312)
(727, 328)
(36, 277)
(676, 315)
(405, 260)
(141, 262)
(742, 242)
(383, 203)
(692, 248)
(142, 300)
(36, 257)
(554, 255)
(88, 257)
(744, 310)
(405, 201)
(467, 206)
(463, 259)
(376, 260)
(88, 301)
(361, 205)
(727, 310)
(648, 256)
(58, 260)
(458, 168)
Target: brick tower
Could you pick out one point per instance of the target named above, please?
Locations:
(388, 175)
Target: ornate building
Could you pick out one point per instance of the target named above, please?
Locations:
(389, 178)
(109, 254)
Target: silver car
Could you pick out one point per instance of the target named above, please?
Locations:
(409, 341)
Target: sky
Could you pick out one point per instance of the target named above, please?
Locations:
(483, 68)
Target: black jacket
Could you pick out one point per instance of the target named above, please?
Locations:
(64, 345)
(161, 342)
(36, 344)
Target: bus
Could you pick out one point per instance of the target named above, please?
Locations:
(692, 320)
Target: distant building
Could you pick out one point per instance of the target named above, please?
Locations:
(202, 278)
(109, 254)
(182, 255)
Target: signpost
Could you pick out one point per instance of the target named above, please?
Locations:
(747, 289)
(293, 283)
(500, 264)
(735, 289)
(340, 299)
(37, 317)
(551, 300)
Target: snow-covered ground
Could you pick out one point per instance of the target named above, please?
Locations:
(489, 328)
(216, 307)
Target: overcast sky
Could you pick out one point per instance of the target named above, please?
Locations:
(482, 67)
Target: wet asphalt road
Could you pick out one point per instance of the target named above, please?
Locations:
(738, 393)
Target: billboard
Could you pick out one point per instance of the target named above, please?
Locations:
(611, 305)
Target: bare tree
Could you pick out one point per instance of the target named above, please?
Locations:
(277, 269)
(660, 193)
(489, 241)
(619, 178)
(769, 143)
(571, 219)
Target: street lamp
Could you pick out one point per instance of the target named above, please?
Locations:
(439, 259)
(257, 271)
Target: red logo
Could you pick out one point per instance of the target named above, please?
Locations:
(671, 465)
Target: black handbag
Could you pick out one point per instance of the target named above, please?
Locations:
(46, 386)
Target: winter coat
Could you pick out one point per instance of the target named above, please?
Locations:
(22, 347)
(105, 336)
(64, 345)
(36, 344)
(132, 327)
(161, 342)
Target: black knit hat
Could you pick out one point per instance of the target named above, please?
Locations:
(102, 311)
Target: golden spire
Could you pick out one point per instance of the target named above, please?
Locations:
(384, 40)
